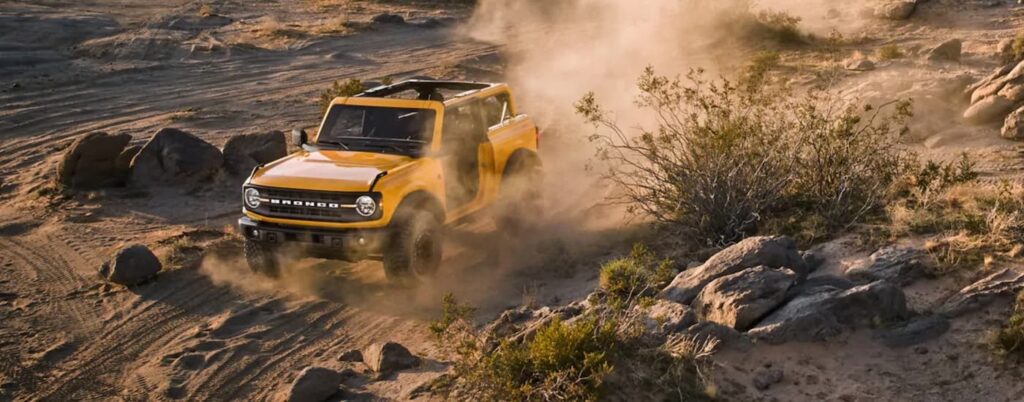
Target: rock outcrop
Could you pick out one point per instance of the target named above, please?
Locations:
(898, 265)
(994, 97)
(770, 251)
(131, 266)
(174, 157)
(896, 9)
(1003, 284)
(1013, 126)
(666, 317)
(946, 51)
(91, 161)
(819, 316)
(740, 299)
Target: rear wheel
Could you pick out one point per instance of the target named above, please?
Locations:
(262, 259)
(521, 206)
(414, 249)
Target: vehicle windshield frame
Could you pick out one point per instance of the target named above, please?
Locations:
(412, 138)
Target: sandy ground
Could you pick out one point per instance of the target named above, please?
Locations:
(207, 329)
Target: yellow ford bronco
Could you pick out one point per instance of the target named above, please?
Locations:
(387, 170)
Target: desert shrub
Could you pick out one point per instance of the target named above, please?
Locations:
(779, 26)
(757, 69)
(348, 87)
(1016, 51)
(585, 358)
(849, 156)
(1009, 340)
(890, 52)
(724, 157)
(641, 274)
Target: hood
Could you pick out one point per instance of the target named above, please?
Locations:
(329, 170)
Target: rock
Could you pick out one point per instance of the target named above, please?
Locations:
(353, 355)
(123, 164)
(819, 284)
(988, 110)
(387, 18)
(1013, 127)
(705, 331)
(818, 316)
(813, 259)
(860, 65)
(175, 157)
(989, 85)
(770, 251)
(765, 377)
(946, 51)
(90, 161)
(740, 299)
(242, 153)
(896, 9)
(1013, 91)
(1003, 284)
(388, 357)
(131, 265)
(314, 384)
(913, 332)
(898, 265)
(666, 317)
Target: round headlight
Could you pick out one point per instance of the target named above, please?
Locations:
(252, 198)
(365, 205)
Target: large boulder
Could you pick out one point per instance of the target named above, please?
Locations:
(388, 357)
(131, 266)
(90, 161)
(1010, 74)
(898, 265)
(1001, 285)
(1013, 126)
(244, 152)
(314, 384)
(740, 299)
(946, 51)
(896, 9)
(175, 157)
(770, 251)
(988, 110)
(818, 316)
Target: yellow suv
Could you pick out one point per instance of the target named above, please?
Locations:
(387, 170)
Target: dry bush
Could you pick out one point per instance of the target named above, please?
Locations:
(724, 157)
(1016, 52)
(586, 358)
(1009, 340)
(641, 274)
(348, 87)
(890, 52)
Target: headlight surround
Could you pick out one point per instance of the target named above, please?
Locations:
(252, 198)
(366, 206)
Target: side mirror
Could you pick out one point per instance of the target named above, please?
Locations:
(299, 137)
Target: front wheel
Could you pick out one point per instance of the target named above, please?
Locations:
(414, 248)
(262, 259)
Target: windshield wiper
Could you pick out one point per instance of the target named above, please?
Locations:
(370, 139)
(338, 143)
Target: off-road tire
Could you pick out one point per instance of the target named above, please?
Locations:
(262, 259)
(520, 204)
(414, 248)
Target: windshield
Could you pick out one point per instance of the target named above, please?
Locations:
(377, 128)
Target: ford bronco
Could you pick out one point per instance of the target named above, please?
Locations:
(387, 170)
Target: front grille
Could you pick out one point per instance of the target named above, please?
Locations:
(342, 212)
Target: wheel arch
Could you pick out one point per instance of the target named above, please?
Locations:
(519, 157)
(421, 199)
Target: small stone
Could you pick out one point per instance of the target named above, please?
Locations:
(131, 265)
(388, 18)
(860, 65)
(921, 349)
(353, 355)
(388, 357)
(314, 384)
(766, 377)
(946, 51)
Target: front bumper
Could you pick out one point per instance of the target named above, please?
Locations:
(347, 244)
